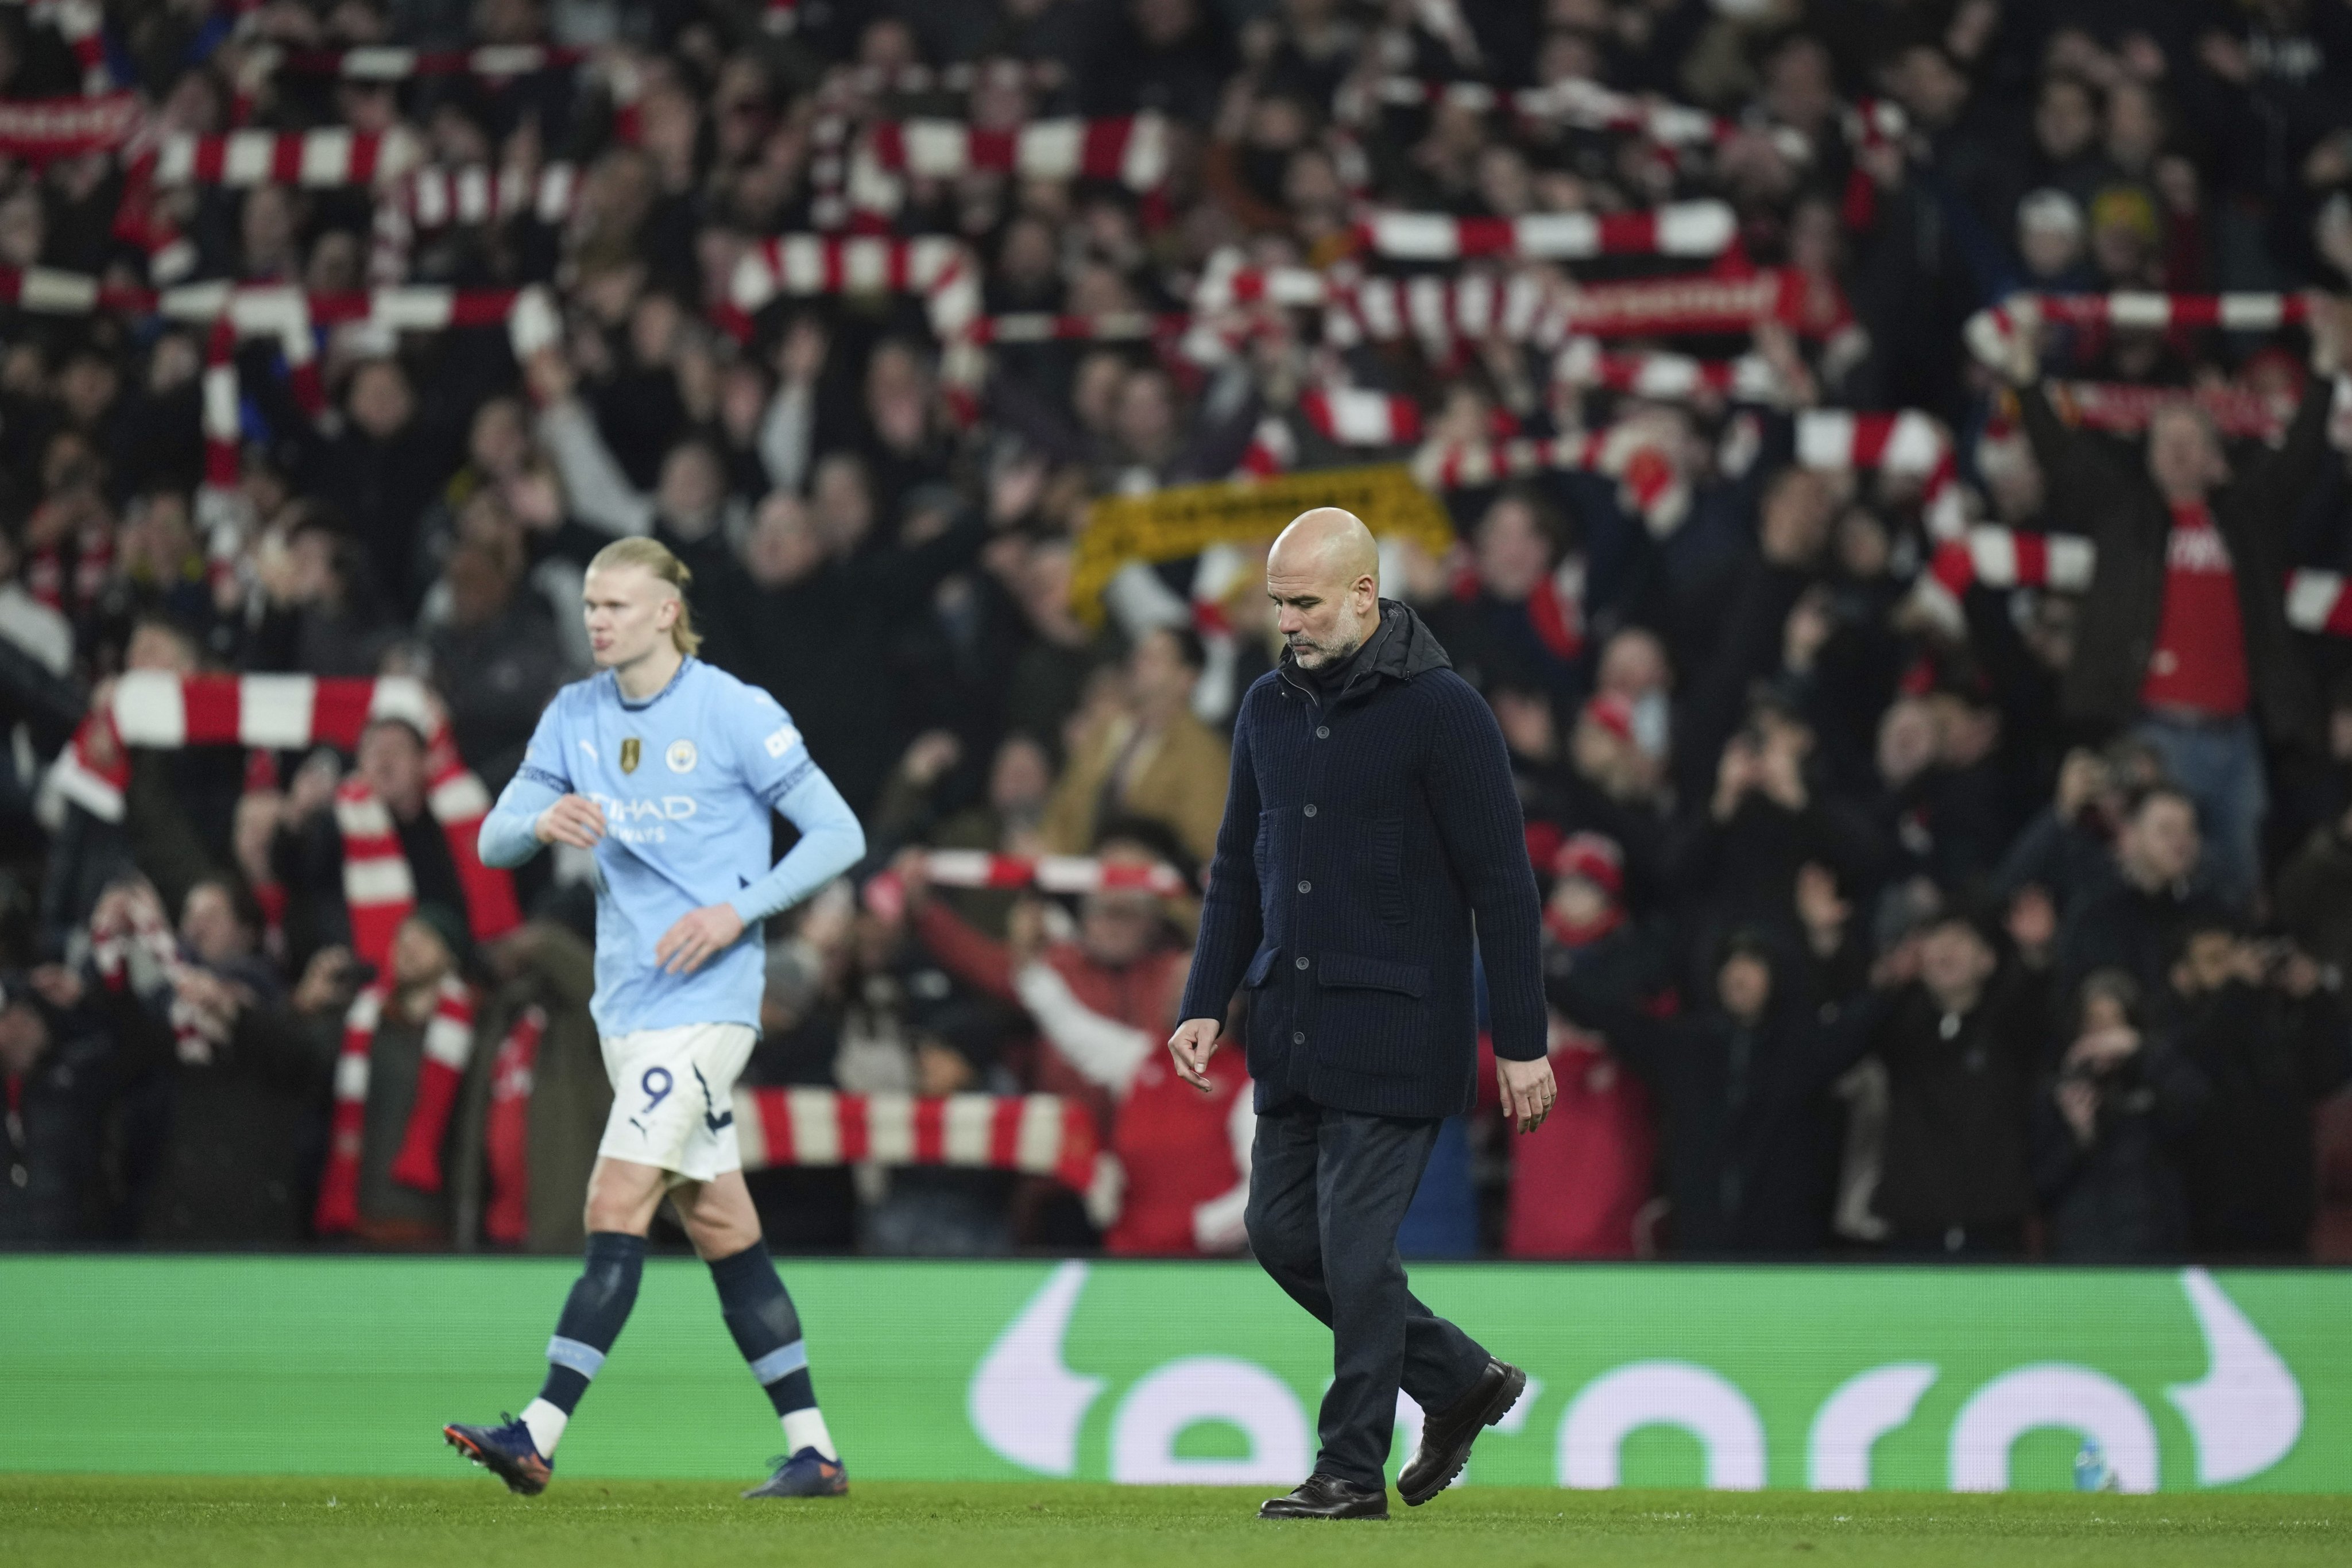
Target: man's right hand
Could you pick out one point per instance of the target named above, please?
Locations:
(575, 820)
(1194, 1041)
(324, 987)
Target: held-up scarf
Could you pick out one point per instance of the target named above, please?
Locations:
(290, 713)
(378, 886)
(448, 1042)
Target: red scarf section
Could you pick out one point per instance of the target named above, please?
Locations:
(448, 1044)
(507, 1217)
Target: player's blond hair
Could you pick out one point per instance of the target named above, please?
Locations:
(656, 557)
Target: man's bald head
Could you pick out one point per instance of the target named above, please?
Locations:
(1329, 544)
(1324, 576)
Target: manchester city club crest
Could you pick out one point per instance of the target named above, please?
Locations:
(629, 749)
(680, 757)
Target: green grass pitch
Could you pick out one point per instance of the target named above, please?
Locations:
(126, 1522)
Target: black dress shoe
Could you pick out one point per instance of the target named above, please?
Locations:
(1328, 1497)
(1446, 1436)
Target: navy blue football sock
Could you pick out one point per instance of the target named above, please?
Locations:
(758, 1313)
(592, 1316)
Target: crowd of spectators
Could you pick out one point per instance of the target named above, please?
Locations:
(1890, 911)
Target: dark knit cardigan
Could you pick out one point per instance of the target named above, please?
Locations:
(1363, 831)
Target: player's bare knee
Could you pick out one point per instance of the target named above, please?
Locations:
(717, 1230)
(713, 1242)
(605, 1214)
(616, 1201)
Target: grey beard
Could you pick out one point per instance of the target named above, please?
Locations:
(1333, 656)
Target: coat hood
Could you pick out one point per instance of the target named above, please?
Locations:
(1408, 647)
(1402, 648)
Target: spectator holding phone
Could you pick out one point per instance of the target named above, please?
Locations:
(2109, 1130)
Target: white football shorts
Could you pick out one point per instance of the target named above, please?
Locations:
(674, 1098)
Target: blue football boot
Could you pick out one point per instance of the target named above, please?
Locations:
(507, 1452)
(805, 1474)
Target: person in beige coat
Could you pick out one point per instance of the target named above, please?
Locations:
(1146, 756)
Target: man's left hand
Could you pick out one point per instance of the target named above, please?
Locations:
(1529, 1089)
(698, 934)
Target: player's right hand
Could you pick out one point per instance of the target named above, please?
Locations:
(575, 820)
(1194, 1041)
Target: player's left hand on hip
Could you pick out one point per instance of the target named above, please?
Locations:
(1528, 1091)
(698, 935)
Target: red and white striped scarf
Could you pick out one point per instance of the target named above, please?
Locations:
(1988, 333)
(1907, 444)
(379, 888)
(885, 894)
(39, 131)
(449, 1044)
(506, 1218)
(2238, 413)
(1357, 416)
(1272, 449)
(1051, 873)
(294, 318)
(1522, 307)
(291, 713)
(45, 569)
(2319, 602)
(1347, 416)
(1130, 149)
(867, 188)
(94, 770)
(315, 160)
(1042, 1134)
(1649, 482)
(937, 266)
(196, 1033)
(384, 63)
(1680, 228)
(1666, 378)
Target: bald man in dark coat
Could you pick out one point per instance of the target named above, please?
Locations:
(1372, 845)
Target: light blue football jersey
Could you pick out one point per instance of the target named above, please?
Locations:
(688, 780)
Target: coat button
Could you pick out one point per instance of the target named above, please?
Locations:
(1306, 887)
(1298, 1037)
(1310, 810)
(1300, 962)
(1322, 732)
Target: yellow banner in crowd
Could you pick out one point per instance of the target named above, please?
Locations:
(1169, 525)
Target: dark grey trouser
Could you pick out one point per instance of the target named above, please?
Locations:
(1328, 1191)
